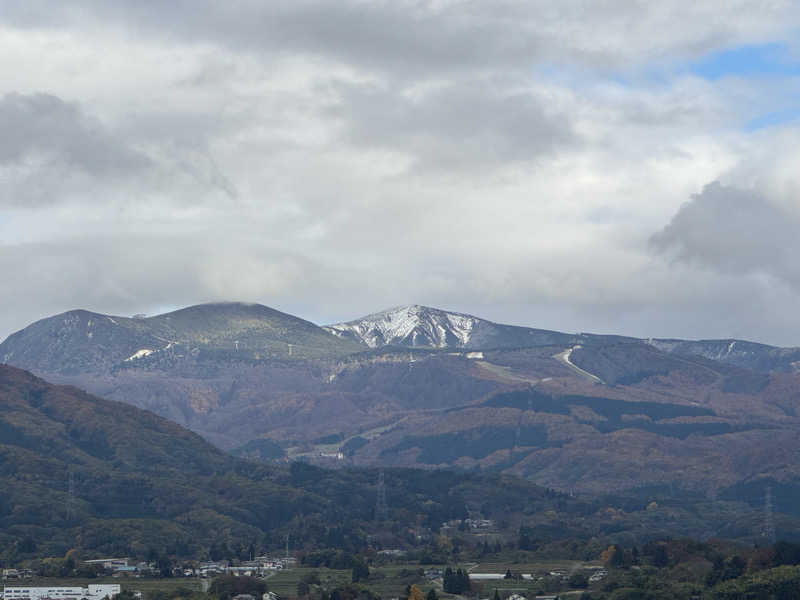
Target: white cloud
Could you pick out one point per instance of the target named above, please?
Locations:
(511, 159)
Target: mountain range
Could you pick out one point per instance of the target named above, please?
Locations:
(418, 386)
(102, 477)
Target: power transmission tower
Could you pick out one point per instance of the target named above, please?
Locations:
(769, 519)
(287, 545)
(380, 503)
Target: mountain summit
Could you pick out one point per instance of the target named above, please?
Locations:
(418, 326)
(80, 341)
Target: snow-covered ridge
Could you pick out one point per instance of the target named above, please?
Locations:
(719, 350)
(411, 325)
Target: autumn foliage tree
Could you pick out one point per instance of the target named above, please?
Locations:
(613, 556)
(415, 593)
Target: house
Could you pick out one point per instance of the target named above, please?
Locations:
(108, 563)
(598, 576)
(479, 523)
(211, 569)
(392, 552)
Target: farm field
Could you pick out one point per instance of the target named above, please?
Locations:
(535, 568)
(388, 581)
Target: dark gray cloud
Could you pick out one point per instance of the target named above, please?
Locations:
(424, 36)
(458, 124)
(45, 126)
(401, 36)
(734, 231)
(52, 151)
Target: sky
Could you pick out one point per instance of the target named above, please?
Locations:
(611, 167)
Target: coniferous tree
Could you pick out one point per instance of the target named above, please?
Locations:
(360, 571)
(447, 580)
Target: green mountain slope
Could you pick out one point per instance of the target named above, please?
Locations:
(81, 341)
(73, 466)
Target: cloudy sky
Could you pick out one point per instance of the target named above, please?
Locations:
(607, 166)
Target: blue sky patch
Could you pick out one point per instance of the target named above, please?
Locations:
(757, 60)
(772, 119)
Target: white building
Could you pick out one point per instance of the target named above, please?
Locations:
(108, 563)
(93, 592)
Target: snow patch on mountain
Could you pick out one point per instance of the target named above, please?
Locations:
(412, 325)
(140, 354)
(718, 350)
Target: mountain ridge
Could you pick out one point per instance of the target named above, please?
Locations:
(429, 403)
(80, 340)
(416, 326)
(220, 325)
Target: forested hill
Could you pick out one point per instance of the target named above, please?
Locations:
(80, 471)
(82, 341)
(117, 477)
(41, 423)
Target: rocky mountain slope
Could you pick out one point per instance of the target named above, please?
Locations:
(588, 412)
(418, 326)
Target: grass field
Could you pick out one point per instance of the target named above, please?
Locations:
(388, 582)
(284, 583)
(526, 587)
(536, 568)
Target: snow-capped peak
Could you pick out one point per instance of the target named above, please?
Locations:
(411, 325)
